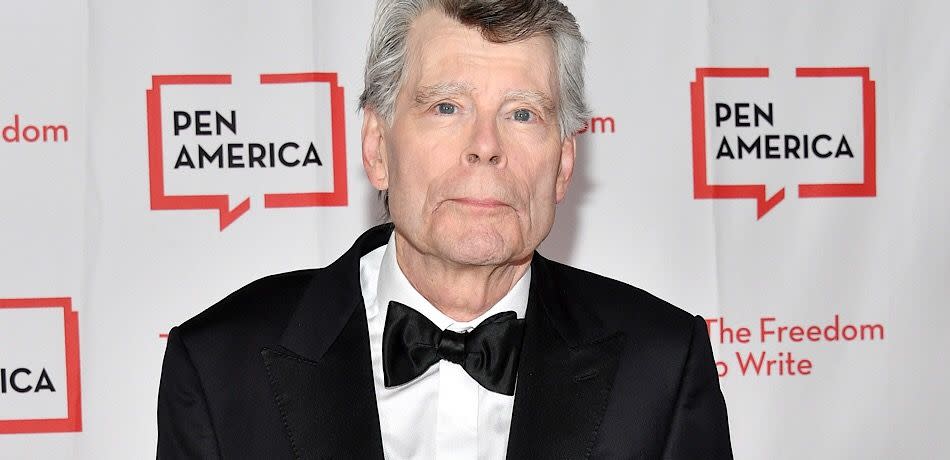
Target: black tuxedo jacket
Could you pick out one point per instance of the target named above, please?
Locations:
(281, 369)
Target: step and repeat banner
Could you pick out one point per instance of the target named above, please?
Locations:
(777, 167)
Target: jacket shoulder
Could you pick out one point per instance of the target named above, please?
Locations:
(620, 305)
(260, 308)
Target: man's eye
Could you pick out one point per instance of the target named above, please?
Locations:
(523, 115)
(445, 108)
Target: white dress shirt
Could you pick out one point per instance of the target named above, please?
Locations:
(443, 413)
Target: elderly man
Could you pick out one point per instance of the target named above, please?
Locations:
(444, 334)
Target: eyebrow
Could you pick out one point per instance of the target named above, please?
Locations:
(538, 98)
(429, 93)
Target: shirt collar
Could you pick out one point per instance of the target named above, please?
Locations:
(393, 285)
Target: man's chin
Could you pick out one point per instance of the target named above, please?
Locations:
(477, 248)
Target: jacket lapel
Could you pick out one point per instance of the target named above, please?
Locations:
(321, 372)
(567, 368)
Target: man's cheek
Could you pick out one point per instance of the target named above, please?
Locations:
(545, 194)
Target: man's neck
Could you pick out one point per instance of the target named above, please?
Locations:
(474, 289)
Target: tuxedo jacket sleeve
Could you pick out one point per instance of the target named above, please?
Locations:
(282, 369)
(184, 424)
(699, 428)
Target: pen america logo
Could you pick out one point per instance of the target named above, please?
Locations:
(39, 366)
(756, 132)
(217, 141)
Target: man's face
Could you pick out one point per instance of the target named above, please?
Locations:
(473, 160)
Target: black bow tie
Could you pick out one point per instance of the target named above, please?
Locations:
(489, 353)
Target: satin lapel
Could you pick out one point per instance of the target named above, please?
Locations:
(321, 371)
(329, 406)
(567, 368)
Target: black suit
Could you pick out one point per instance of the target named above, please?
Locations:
(281, 368)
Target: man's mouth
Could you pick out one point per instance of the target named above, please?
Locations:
(487, 203)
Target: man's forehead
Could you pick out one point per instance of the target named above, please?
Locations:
(444, 56)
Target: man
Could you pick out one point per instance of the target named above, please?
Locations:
(444, 334)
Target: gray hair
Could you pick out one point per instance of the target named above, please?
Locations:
(500, 21)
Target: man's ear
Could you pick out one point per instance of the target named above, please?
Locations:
(375, 161)
(566, 170)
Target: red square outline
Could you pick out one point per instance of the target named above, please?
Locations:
(702, 189)
(160, 201)
(73, 420)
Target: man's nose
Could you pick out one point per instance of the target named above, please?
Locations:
(485, 145)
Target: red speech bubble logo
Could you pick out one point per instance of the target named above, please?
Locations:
(227, 215)
(702, 189)
(73, 420)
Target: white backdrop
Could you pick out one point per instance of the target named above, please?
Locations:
(102, 224)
